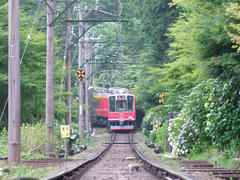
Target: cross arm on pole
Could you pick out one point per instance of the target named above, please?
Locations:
(85, 31)
(87, 60)
(61, 13)
(48, 5)
(96, 20)
(115, 42)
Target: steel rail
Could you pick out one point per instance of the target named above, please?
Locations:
(160, 171)
(68, 172)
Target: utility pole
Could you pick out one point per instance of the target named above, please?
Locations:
(91, 85)
(68, 82)
(87, 57)
(14, 116)
(80, 89)
(68, 102)
(50, 80)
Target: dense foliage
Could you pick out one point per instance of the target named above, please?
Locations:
(203, 47)
(210, 116)
(33, 66)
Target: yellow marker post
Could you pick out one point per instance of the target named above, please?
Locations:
(65, 131)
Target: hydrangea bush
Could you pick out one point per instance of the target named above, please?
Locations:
(210, 116)
(148, 121)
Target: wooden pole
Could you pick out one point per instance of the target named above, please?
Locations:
(14, 116)
(80, 89)
(50, 80)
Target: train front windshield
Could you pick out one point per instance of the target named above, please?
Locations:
(130, 103)
(121, 105)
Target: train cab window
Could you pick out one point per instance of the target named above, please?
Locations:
(121, 105)
(112, 104)
(130, 103)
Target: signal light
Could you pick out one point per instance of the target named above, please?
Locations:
(75, 100)
(161, 99)
(81, 73)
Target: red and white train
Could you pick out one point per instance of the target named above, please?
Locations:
(116, 108)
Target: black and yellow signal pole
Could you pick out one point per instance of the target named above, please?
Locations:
(161, 102)
(80, 89)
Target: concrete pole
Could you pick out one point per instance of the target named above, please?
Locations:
(80, 89)
(14, 116)
(50, 81)
(68, 102)
(87, 57)
(90, 91)
(68, 82)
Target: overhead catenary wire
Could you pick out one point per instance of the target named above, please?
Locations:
(30, 34)
(25, 49)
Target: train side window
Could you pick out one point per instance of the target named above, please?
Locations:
(130, 104)
(112, 104)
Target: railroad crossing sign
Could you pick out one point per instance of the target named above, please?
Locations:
(81, 73)
(65, 131)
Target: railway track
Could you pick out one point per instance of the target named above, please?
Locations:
(217, 172)
(119, 160)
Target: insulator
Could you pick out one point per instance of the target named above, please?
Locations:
(58, 8)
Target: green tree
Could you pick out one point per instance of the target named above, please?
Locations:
(156, 18)
(32, 69)
(200, 35)
(233, 10)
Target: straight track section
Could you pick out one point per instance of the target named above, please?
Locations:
(120, 160)
(120, 163)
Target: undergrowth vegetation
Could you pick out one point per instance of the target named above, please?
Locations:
(23, 171)
(151, 128)
(33, 140)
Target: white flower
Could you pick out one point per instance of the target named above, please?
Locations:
(209, 123)
(208, 115)
(206, 105)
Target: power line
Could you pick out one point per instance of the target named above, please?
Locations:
(29, 35)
